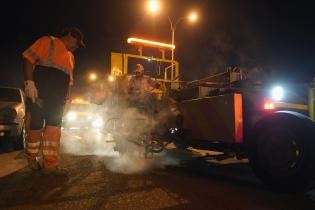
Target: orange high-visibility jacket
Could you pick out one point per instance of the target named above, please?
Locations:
(50, 51)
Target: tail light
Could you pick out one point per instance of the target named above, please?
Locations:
(269, 106)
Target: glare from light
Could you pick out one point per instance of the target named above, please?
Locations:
(143, 42)
(277, 93)
(269, 106)
(77, 100)
(173, 130)
(153, 6)
(111, 78)
(93, 76)
(71, 116)
(193, 17)
(97, 122)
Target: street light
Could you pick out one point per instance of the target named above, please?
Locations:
(154, 6)
(192, 17)
(92, 76)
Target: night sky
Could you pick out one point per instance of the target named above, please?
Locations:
(274, 40)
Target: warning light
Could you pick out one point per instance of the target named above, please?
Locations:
(144, 42)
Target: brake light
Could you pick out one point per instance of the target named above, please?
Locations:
(269, 106)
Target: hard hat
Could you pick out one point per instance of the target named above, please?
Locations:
(139, 68)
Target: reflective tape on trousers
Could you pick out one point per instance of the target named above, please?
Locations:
(50, 143)
(32, 151)
(50, 152)
(33, 144)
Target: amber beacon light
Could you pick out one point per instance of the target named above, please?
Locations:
(144, 42)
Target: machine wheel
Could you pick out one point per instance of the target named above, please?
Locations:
(155, 146)
(182, 138)
(281, 152)
(180, 143)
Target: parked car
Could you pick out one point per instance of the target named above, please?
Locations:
(12, 116)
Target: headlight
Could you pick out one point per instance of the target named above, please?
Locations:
(8, 115)
(71, 116)
(277, 93)
(97, 122)
(111, 78)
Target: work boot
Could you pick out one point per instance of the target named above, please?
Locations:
(33, 165)
(55, 171)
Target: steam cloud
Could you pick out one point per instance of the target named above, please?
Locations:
(124, 125)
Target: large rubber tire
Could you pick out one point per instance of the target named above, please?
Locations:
(182, 139)
(281, 152)
(180, 143)
(155, 147)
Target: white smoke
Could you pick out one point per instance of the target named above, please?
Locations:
(122, 131)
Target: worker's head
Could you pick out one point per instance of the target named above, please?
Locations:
(139, 70)
(72, 38)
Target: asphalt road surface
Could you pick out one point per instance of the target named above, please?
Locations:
(99, 178)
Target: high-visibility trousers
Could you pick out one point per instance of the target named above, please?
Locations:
(46, 114)
(51, 145)
(33, 141)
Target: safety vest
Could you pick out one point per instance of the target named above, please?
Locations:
(50, 51)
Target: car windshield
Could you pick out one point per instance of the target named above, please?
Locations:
(9, 94)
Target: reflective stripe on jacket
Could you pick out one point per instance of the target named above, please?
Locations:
(50, 51)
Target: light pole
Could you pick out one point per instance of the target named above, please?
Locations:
(154, 6)
(192, 17)
(173, 29)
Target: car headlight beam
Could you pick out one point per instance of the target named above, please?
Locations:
(97, 122)
(71, 116)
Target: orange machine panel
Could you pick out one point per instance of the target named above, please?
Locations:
(216, 118)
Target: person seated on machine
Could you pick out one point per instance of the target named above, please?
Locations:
(140, 88)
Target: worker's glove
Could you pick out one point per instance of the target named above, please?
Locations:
(30, 90)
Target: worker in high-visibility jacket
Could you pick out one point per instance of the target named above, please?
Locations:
(48, 75)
